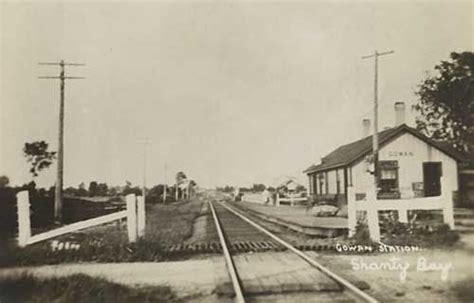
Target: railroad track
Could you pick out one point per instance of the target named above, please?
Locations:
(286, 271)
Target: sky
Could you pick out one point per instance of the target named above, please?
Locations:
(230, 92)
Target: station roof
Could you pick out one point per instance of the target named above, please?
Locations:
(352, 152)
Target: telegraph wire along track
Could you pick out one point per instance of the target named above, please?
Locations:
(283, 273)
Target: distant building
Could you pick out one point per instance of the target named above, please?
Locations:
(289, 185)
(410, 165)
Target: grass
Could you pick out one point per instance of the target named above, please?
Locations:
(166, 225)
(171, 224)
(77, 288)
(464, 290)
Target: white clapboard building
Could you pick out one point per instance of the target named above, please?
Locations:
(410, 165)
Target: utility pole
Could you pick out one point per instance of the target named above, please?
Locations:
(375, 139)
(145, 145)
(176, 191)
(165, 185)
(372, 211)
(58, 199)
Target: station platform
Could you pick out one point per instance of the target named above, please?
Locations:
(297, 218)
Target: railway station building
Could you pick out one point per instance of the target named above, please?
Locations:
(410, 165)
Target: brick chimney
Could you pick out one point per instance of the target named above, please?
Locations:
(365, 128)
(399, 113)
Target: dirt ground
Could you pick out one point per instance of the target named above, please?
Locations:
(431, 275)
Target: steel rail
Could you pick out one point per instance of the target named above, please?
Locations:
(228, 259)
(359, 293)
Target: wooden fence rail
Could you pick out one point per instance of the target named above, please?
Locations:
(291, 200)
(135, 214)
(372, 206)
(261, 199)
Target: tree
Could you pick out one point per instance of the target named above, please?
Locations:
(114, 191)
(38, 156)
(102, 189)
(258, 187)
(93, 189)
(300, 188)
(155, 193)
(446, 102)
(4, 181)
(130, 189)
(180, 177)
(192, 187)
(71, 191)
(228, 189)
(81, 190)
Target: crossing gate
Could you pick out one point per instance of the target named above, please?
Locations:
(134, 213)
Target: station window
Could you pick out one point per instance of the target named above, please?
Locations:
(388, 177)
(321, 183)
(315, 184)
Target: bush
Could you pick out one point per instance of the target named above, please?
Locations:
(398, 233)
(394, 232)
(362, 235)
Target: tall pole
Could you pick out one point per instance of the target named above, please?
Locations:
(375, 139)
(144, 168)
(58, 197)
(372, 211)
(166, 185)
(60, 168)
(176, 191)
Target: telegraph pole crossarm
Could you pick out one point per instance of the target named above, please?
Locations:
(63, 63)
(58, 201)
(378, 54)
(47, 77)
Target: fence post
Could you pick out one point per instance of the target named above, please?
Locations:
(164, 193)
(131, 217)
(292, 200)
(24, 226)
(278, 199)
(373, 214)
(448, 213)
(351, 211)
(402, 213)
(141, 216)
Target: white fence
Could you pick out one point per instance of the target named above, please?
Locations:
(291, 200)
(261, 199)
(371, 205)
(135, 214)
